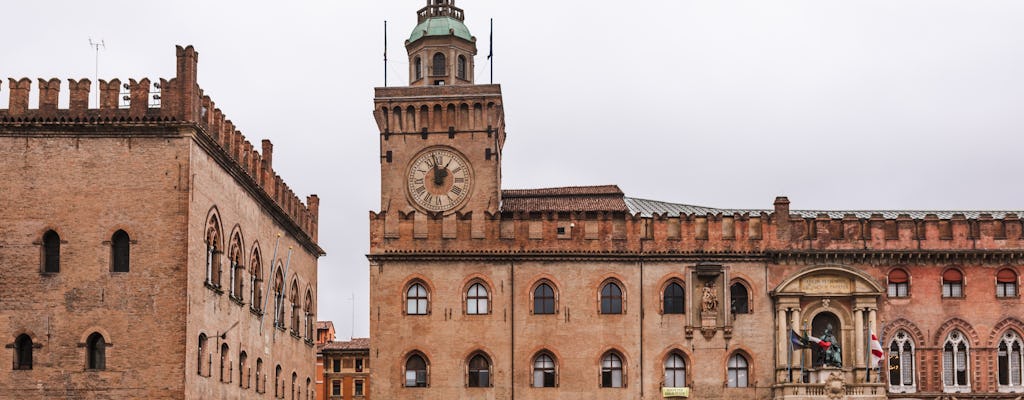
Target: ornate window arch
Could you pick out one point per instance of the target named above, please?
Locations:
(902, 363)
(235, 258)
(738, 371)
(278, 288)
(673, 300)
(478, 298)
(307, 311)
(479, 370)
(613, 298)
(417, 298)
(545, 297)
(1011, 357)
(613, 374)
(293, 292)
(545, 370)
(739, 297)
(214, 249)
(675, 370)
(416, 370)
(956, 363)
(256, 279)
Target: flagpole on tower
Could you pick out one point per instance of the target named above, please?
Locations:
(385, 53)
(490, 54)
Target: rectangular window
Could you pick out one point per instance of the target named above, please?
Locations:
(1004, 289)
(898, 289)
(335, 388)
(337, 365)
(359, 365)
(952, 289)
(359, 388)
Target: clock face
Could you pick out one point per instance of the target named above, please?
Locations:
(439, 180)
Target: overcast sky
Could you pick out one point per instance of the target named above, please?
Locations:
(837, 104)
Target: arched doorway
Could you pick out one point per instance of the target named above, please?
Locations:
(827, 327)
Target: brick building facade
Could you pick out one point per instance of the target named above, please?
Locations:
(144, 249)
(345, 368)
(585, 292)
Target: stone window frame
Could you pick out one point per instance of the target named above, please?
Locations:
(426, 370)
(487, 298)
(746, 368)
(956, 339)
(426, 297)
(901, 340)
(607, 363)
(750, 299)
(236, 265)
(1009, 338)
(256, 296)
(554, 369)
(554, 296)
(611, 297)
(685, 367)
(439, 59)
(664, 288)
(214, 237)
(469, 368)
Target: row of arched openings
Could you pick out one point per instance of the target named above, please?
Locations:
(477, 298)
(120, 251)
(95, 352)
(302, 319)
(1006, 283)
(545, 368)
(247, 374)
(956, 362)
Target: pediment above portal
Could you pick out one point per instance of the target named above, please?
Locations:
(829, 280)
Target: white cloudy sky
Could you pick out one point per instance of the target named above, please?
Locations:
(873, 104)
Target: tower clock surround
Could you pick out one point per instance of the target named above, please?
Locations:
(439, 179)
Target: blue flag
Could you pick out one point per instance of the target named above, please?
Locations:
(797, 340)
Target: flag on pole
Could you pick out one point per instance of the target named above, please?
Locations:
(824, 345)
(876, 350)
(797, 340)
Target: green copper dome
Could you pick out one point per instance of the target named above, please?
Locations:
(440, 26)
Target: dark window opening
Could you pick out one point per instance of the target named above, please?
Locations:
(479, 371)
(439, 67)
(461, 71)
(543, 299)
(96, 348)
(740, 300)
(416, 372)
(51, 252)
(674, 299)
(611, 371)
(23, 353)
(952, 283)
(543, 371)
(418, 68)
(611, 299)
(119, 251)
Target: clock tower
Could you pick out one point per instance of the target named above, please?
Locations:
(441, 136)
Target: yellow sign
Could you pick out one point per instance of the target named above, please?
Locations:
(675, 392)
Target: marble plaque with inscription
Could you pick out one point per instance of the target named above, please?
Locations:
(825, 284)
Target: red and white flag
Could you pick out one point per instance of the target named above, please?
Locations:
(876, 350)
(821, 343)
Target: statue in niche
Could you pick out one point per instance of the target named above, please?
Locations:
(709, 300)
(831, 356)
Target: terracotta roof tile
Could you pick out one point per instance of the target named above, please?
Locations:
(354, 344)
(568, 199)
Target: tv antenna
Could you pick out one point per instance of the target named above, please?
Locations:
(97, 46)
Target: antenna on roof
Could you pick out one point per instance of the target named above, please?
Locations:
(385, 53)
(352, 335)
(97, 46)
(490, 55)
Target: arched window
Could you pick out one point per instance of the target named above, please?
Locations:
(296, 310)
(96, 350)
(1010, 360)
(673, 299)
(739, 299)
(225, 363)
(278, 298)
(611, 299)
(259, 372)
(1006, 283)
(952, 283)
(675, 371)
(51, 252)
(23, 352)
(543, 299)
(416, 300)
(461, 70)
(236, 269)
(201, 354)
(955, 359)
(119, 251)
(417, 67)
(544, 371)
(899, 283)
(307, 310)
(476, 300)
(278, 382)
(611, 371)
(415, 371)
(479, 371)
(901, 364)
(243, 370)
(439, 67)
(295, 385)
(309, 389)
(256, 279)
(213, 252)
(738, 371)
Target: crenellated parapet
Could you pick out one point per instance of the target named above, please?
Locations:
(178, 102)
(740, 233)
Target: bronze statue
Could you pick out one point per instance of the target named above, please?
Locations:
(709, 300)
(832, 356)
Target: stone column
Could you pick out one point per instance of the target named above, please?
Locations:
(872, 321)
(858, 337)
(783, 335)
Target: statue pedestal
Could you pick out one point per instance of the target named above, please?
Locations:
(708, 323)
(822, 374)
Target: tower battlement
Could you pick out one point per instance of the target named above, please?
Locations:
(175, 102)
